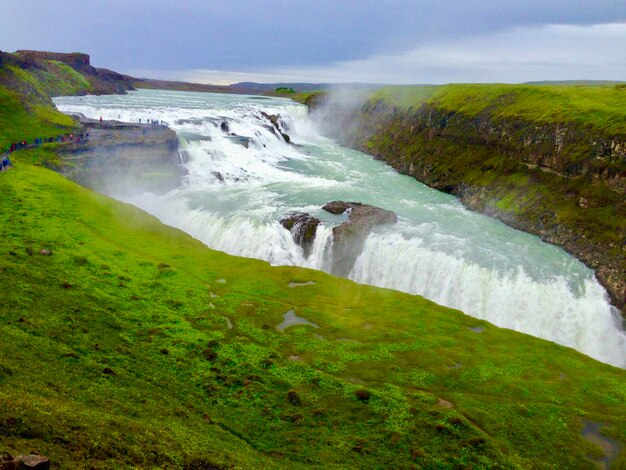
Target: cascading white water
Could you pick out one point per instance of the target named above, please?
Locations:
(239, 186)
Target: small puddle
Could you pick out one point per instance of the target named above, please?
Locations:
(291, 319)
(213, 296)
(300, 284)
(229, 324)
(320, 337)
(211, 306)
(477, 329)
(610, 447)
(221, 281)
(367, 326)
(457, 365)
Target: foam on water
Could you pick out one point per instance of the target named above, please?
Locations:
(239, 186)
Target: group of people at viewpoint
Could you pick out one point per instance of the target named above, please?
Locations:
(154, 122)
(5, 162)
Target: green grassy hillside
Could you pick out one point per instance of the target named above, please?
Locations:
(26, 110)
(117, 351)
(600, 107)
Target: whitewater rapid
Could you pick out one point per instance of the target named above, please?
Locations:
(243, 177)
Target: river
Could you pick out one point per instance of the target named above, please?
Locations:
(239, 186)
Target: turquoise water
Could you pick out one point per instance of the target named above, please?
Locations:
(234, 196)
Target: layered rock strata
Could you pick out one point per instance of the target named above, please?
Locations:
(123, 158)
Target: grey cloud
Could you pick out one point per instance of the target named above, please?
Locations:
(550, 52)
(248, 34)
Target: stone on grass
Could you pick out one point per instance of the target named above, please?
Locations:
(34, 462)
(294, 398)
(363, 395)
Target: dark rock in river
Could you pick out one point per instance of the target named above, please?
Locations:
(272, 129)
(337, 207)
(303, 228)
(224, 127)
(273, 118)
(350, 236)
(239, 139)
(278, 126)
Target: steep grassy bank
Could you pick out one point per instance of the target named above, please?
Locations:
(550, 160)
(25, 112)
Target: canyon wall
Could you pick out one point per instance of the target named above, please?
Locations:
(560, 178)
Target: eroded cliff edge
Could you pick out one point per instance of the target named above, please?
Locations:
(557, 170)
(122, 158)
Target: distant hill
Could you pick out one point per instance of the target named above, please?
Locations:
(301, 87)
(250, 88)
(183, 86)
(575, 82)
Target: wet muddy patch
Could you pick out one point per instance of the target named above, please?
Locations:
(291, 319)
(301, 284)
(610, 447)
(477, 329)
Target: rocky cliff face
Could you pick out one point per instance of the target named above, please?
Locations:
(563, 181)
(123, 158)
(101, 81)
(349, 237)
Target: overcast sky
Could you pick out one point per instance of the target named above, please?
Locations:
(376, 41)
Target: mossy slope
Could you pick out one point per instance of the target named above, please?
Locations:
(116, 352)
(25, 114)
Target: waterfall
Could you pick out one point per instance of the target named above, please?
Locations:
(243, 177)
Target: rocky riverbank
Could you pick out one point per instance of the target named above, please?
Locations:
(562, 180)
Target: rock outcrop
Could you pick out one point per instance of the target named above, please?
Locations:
(24, 462)
(102, 81)
(278, 127)
(349, 237)
(123, 158)
(303, 228)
